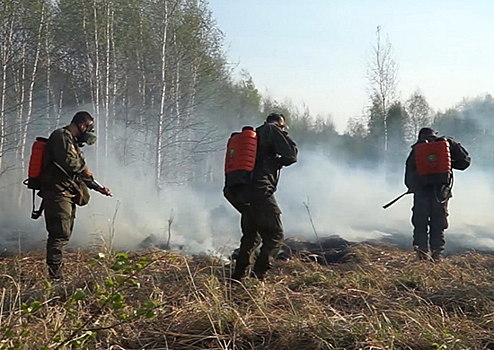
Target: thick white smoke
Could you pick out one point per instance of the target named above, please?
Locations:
(342, 200)
(348, 202)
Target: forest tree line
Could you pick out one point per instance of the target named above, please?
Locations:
(154, 74)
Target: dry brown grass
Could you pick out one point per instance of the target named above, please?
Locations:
(381, 299)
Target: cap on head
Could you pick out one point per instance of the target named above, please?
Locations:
(276, 118)
(82, 117)
(426, 133)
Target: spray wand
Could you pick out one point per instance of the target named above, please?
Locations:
(95, 185)
(385, 206)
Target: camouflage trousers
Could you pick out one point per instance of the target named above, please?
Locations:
(59, 217)
(429, 219)
(260, 223)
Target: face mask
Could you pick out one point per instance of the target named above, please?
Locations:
(88, 137)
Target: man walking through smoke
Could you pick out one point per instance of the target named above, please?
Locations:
(255, 199)
(65, 179)
(429, 176)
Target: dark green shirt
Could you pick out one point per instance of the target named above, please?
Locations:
(62, 152)
(275, 150)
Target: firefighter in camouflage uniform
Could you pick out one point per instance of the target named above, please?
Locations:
(430, 202)
(65, 179)
(260, 221)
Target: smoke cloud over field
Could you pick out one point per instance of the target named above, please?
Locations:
(342, 201)
(348, 202)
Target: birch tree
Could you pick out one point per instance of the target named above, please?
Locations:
(382, 76)
(419, 115)
(38, 36)
(6, 46)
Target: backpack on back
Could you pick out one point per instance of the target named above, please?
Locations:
(433, 161)
(33, 181)
(240, 159)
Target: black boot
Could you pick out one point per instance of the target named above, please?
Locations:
(260, 275)
(260, 269)
(421, 254)
(436, 255)
(55, 273)
(239, 271)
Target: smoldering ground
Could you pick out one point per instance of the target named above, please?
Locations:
(340, 200)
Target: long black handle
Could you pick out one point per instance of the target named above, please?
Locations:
(385, 206)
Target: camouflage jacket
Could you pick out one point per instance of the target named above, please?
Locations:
(275, 150)
(62, 152)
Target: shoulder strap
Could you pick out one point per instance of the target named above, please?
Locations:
(35, 214)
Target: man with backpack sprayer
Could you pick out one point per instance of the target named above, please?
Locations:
(63, 179)
(253, 163)
(429, 176)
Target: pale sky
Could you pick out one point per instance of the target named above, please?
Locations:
(315, 52)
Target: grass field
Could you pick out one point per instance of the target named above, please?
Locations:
(380, 298)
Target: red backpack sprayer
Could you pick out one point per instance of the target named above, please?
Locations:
(433, 163)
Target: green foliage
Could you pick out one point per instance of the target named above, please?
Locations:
(379, 298)
(149, 63)
(317, 278)
(79, 295)
(32, 308)
(419, 115)
(77, 329)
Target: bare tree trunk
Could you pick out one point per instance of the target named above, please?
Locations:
(107, 76)
(161, 117)
(3, 118)
(49, 91)
(114, 72)
(142, 81)
(191, 104)
(21, 96)
(382, 86)
(142, 101)
(59, 111)
(88, 58)
(30, 101)
(2, 113)
(176, 150)
(141, 88)
(97, 79)
(90, 64)
(192, 99)
(125, 102)
(177, 83)
(385, 125)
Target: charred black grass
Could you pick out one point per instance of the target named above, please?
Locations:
(379, 298)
